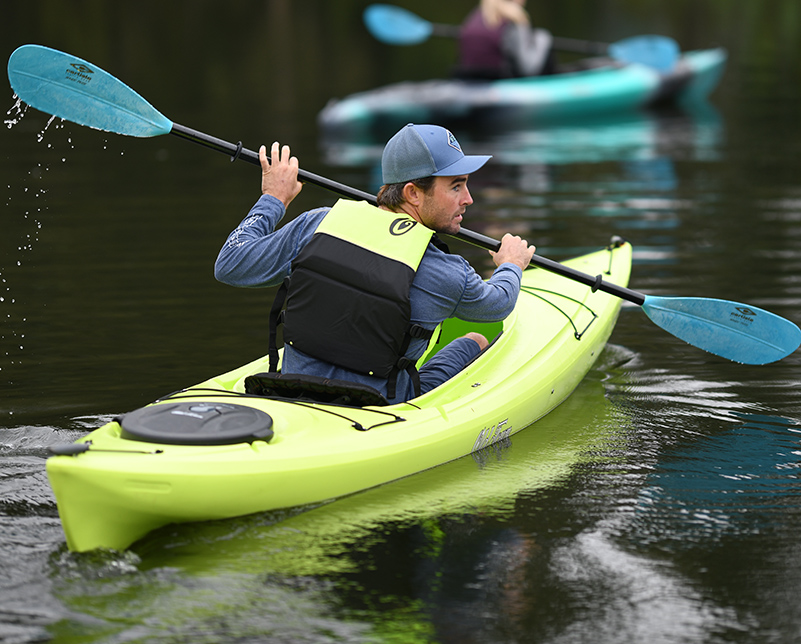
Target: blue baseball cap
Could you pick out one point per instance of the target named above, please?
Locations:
(419, 151)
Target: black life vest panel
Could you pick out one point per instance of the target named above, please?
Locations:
(347, 298)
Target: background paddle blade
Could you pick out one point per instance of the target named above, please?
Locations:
(78, 91)
(396, 26)
(659, 52)
(738, 332)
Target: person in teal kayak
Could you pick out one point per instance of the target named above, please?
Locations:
(369, 285)
(496, 41)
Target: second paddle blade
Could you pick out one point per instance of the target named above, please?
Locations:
(396, 26)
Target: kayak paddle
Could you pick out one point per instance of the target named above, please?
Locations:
(397, 26)
(72, 89)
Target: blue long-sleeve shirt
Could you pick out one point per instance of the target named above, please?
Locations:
(256, 254)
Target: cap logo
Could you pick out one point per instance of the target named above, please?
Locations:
(452, 141)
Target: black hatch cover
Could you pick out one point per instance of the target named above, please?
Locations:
(197, 423)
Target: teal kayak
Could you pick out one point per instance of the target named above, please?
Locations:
(236, 445)
(604, 87)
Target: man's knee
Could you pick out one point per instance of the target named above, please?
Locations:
(479, 339)
(450, 360)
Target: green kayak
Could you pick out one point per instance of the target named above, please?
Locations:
(604, 86)
(239, 443)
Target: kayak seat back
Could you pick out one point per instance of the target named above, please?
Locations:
(313, 388)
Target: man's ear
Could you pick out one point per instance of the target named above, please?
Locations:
(412, 195)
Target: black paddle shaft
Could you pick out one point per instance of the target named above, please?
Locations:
(236, 151)
(595, 282)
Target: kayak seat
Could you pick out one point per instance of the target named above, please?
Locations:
(313, 388)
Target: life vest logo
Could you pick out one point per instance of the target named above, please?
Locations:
(401, 226)
(453, 142)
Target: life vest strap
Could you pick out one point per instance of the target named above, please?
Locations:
(276, 319)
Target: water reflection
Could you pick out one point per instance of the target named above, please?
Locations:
(695, 489)
(738, 481)
(695, 130)
(645, 144)
(631, 597)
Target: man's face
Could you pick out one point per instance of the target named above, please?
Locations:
(443, 206)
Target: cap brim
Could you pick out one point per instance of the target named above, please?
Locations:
(465, 165)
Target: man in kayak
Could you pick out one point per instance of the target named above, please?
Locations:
(496, 41)
(368, 285)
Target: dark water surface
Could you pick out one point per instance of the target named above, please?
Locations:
(661, 503)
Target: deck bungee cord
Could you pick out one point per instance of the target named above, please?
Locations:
(204, 393)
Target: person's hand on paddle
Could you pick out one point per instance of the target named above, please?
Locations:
(279, 175)
(513, 250)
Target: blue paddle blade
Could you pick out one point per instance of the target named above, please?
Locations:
(396, 26)
(734, 331)
(659, 52)
(77, 91)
